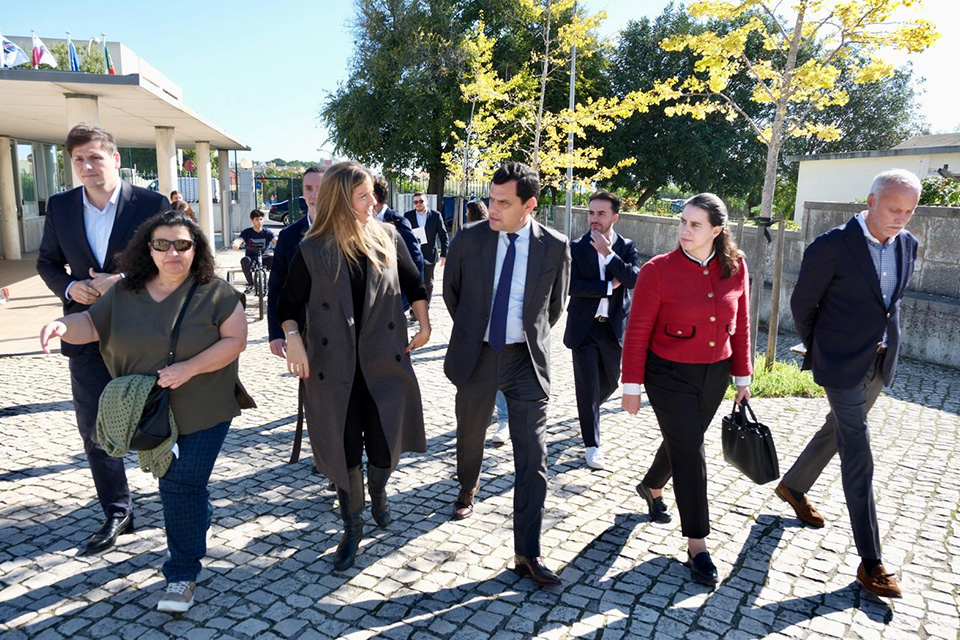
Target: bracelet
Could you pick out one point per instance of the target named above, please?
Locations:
(293, 332)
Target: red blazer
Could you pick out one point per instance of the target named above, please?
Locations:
(685, 313)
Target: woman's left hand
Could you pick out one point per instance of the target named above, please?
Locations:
(175, 375)
(421, 338)
(743, 393)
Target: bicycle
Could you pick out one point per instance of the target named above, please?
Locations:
(260, 277)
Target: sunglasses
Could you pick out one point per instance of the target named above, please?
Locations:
(418, 202)
(161, 245)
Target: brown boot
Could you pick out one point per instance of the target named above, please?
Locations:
(804, 510)
(879, 582)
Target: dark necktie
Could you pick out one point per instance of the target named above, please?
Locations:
(501, 303)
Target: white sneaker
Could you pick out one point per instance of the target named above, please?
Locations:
(501, 435)
(594, 458)
(177, 598)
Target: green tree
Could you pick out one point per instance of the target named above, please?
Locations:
(92, 63)
(714, 154)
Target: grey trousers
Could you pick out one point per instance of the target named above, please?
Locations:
(845, 431)
(510, 371)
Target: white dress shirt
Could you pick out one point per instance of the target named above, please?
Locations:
(515, 332)
(603, 309)
(98, 225)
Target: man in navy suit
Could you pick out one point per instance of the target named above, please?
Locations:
(386, 214)
(846, 306)
(604, 272)
(288, 243)
(86, 227)
(432, 224)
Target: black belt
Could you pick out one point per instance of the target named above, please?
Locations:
(509, 345)
(601, 319)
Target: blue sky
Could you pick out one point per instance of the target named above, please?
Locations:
(261, 70)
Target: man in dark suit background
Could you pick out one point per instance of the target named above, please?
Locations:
(605, 268)
(846, 306)
(505, 285)
(288, 243)
(431, 222)
(386, 214)
(86, 227)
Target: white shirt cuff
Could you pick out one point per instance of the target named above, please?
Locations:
(631, 389)
(742, 381)
(609, 289)
(66, 294)
(608, 258)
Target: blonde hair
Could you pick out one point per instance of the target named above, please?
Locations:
(336, 221)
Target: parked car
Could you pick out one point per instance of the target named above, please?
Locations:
(280, 212)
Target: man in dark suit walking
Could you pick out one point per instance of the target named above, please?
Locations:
(431, 222)
(288, 243)
(402, 225)
(846, 306)
(86, 227)
(605, 268)
(505, 285)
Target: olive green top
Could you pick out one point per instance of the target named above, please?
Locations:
(135, 337)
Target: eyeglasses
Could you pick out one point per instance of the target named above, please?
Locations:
(418, 202)
(161, 245)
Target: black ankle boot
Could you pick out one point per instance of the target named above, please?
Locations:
(351, 512)
(377, 484)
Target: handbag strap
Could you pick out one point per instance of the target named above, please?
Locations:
(176, 326)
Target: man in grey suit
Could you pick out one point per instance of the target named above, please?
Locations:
(505, 285)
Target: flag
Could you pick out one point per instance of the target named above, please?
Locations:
(107, 60)
(11, 55)
(72, 54)
(42, 55)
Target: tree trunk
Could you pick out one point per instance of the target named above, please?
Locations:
(438, 176)
(646, 195)
(543, 92)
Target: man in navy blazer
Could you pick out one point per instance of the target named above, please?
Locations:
(432, 223)
(604, 272)
(846, 306)
(86, 228)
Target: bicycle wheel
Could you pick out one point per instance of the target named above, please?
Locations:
(260, 287)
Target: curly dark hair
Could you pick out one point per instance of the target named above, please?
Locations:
(137, 263)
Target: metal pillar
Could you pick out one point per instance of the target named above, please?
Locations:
(204, 191)
(166, 159)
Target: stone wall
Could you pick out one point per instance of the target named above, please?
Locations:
(930, 311)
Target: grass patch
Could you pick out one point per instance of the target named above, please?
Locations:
(784, 380)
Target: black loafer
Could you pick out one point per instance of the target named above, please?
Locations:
(655, 506)
(703, 569)
(106, 537)
(534, 569)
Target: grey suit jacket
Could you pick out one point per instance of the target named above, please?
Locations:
(468, 294)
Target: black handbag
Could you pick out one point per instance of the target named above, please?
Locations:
(153, 429)
(748, 445)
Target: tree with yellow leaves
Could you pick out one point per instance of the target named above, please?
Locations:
(510, 117)
(843, 31)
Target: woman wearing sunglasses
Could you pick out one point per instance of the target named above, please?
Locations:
(361, 392)
(133, 322)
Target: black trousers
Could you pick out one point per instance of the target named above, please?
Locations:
(428, 269)
(596, 374)
(363, 429)
(247, 262)
(88, 377)
(510, 371)
(684, 397)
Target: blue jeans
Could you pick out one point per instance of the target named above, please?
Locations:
(501, 407)
(186, 501)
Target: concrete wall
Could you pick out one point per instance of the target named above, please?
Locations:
(849, 179)
(930, 310)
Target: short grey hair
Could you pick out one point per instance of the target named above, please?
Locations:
(895, 176)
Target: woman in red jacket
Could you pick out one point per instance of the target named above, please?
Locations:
(688, 332)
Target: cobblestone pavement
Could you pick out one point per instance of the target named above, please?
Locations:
(269, 574)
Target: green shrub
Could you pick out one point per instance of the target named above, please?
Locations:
(940, 192)
(784, 380)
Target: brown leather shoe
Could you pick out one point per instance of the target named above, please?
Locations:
(534, 569)
(804, 510)
(879, 582)
(463, 506)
